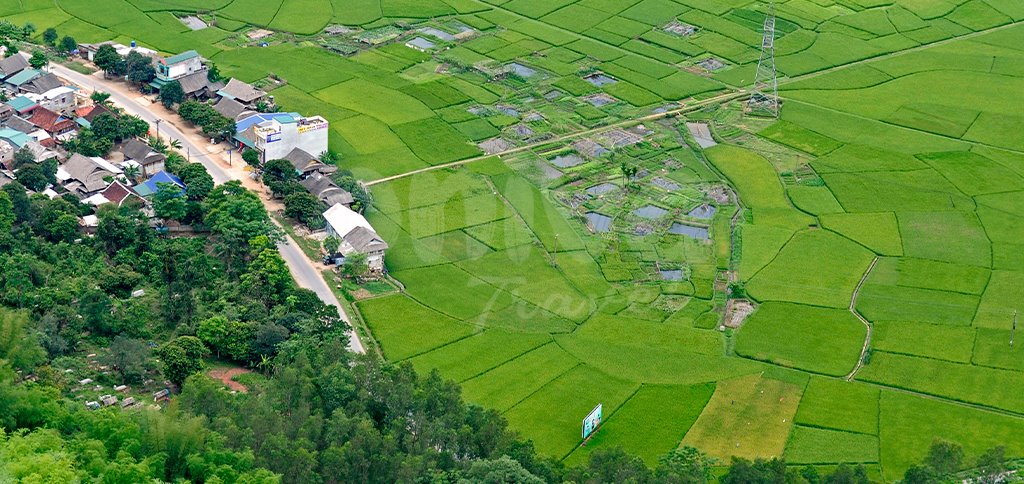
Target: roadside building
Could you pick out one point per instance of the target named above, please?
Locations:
(178, 66)
(6, 154)
(40, 84)
(88, 51)
(306, 164)
(356, 235)
(198, 86)
(231, 109)
(275, 135)
(12, 65)
(60, 99)
(242, 92)
(325, 190)
(149, 160)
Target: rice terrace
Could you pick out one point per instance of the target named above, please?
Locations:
(583, 206)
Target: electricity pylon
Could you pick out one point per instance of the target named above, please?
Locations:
(764, 97)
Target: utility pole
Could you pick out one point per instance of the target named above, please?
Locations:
(764, 97)
(158, 128)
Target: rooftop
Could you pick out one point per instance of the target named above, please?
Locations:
(182, 57)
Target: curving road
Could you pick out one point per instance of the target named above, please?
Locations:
(304, 271)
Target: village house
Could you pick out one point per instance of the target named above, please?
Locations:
(88, 51)
(32, 81)
(198, 86)
(231, 109)
(12, 65)
(116, 193)
(22, 105)
(55, 125)
(149, 160)
(15, 138)
(275, 135)
(86, 176)
(149, 187)
(59, 99)
(306, 164)
(6, 111)
(86, 114)
(177, 66)
(356, 235)
(325, 190)
(6, 154)
(241, 92)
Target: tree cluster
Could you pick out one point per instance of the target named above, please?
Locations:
(104, 132)
(203, 115)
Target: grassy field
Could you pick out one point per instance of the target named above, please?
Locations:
(898, 139)
(747, 417)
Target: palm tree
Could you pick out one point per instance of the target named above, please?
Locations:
(176, 144)
(157, 144)
(132, 171)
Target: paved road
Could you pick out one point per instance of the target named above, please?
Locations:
(304, 271)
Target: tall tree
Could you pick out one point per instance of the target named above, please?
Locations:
(107, 59)
(68, 44)
(139, 68)
(128, 358)
(197, 180)
(32, 176)
(304, 207)
(171, 94)
(100, 97)
(181, 358)
(169, 202)
(23, 156)
(50, 36)
(38, 59)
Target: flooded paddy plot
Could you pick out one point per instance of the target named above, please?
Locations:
(508, 110)
(589, 148)
(437, 33)
(599, 100)
(702, 133)
(671, 274)
(495, 145)
(520, 70)
(712, 64)
(619, 138)
(599, 222)
(603, 188)
(193, 22)
(650, 212)
(703, 212)
(665, 184)
(600, 80)
(567, 161)
(693, 231)
(680, 29)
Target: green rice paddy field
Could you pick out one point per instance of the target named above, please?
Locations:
(891, 189)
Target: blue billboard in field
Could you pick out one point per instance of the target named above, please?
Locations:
(592, 422)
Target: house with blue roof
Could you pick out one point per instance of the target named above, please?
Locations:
(152, 185)
(22, 104)
(14, 137)
(275, 135)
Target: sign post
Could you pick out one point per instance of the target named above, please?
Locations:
(592, 421)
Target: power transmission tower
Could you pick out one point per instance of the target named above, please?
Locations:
(764, 98)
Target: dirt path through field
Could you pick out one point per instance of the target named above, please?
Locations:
(867, 337)
(225, 376)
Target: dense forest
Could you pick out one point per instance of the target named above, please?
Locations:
(129, 305)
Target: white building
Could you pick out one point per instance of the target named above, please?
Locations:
(61, 99)
(89, 50)
(178, 66)
(275, 135)
(356, 234)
